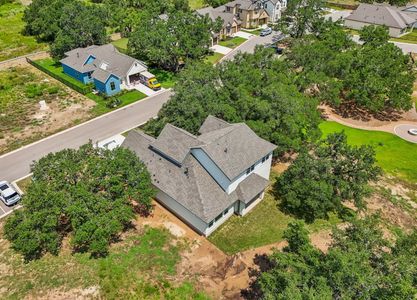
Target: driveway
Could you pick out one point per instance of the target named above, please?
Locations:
(16, 164)
(221, 49)
(245, 35)
(250, 45)
(336, 15)
(402, 132)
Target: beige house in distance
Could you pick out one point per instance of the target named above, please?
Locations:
(251, 14)
(397, 21)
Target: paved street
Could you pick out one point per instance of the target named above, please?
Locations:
(249, 45)
(16, 164)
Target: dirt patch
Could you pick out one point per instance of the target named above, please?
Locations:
(92, 292)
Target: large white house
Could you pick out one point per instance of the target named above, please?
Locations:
(205, 179)
(275, 9)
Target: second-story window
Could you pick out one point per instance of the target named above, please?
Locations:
(249, 170)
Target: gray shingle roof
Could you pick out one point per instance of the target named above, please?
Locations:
(226, 17)
(187, 181)
(250, 187)
(381, 14)
(190, 185)
(117, 63)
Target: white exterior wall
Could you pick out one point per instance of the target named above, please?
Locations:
(245, 210)
(262, 169)
(188, 217)
(134, 69)
(274, 11)
(212, 168)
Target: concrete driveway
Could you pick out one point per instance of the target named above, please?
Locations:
(221, 49)
(336, 15)
(245, 35)
(402, 132)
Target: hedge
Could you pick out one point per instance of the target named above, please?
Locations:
(82, 90)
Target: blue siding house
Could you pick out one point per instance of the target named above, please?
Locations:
(104, 66)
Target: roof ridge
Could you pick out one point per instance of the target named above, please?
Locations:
(182, 130)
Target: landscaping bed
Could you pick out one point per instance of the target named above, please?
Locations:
(12, 42)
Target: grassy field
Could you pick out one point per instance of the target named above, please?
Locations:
(56, 68)
(12, 42)
(233, 42)
(214, 58)
(141, 266)
(396, 156)
(264, 225)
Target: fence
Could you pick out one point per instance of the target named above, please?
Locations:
(81, 90)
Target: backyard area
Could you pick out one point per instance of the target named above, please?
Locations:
(25, 121)
(121, 44)
(141, 266)
(264, 225)
(395, 156)
(12, 42)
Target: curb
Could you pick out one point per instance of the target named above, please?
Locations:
(82, 124)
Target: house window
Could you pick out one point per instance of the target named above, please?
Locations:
(89, 75)
(265, 158)
(211, 224)
(218, 217)
(112, 86)
(249, 170)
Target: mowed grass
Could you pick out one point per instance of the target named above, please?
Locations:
(395, 156)
(125, 98)
(196, 4)
(121, 44)
(141, 266)
(167, 79)
(12, 42)
(56, 68)
(233, 42)
(407, 38)
(264, 225)
(214, 58)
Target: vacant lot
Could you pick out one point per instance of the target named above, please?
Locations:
(141, 266)
(21, 119)
(12, 42)
(395, 156)
(264, 225)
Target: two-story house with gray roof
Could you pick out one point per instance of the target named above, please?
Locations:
(207, 178)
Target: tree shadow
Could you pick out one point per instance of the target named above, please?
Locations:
(264, 264)
(351, 110)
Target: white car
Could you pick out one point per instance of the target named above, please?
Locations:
(412, 131)
(8, 194)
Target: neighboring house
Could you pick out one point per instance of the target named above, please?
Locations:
(410, 11)
(204, 179)
(251, 13)
(397, 21)
(231, 24)
(104, 66)
(274, 9)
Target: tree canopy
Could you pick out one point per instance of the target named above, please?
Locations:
(90, 194)
(376, 75)
(360, 264)
(169, 41)
(65, 25)
(254, 88)
(320, 180)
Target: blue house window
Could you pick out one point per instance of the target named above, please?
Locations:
(112, 86)
(89, 75)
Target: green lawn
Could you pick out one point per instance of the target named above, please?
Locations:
(56, 68)
(254, 32)
(396, 156)
(12, 42)
(233, 42)
(121, 44)
(126, 98)
(142, 266)
(214, 58)
(167, 79)
(408, 38)
(196, 4)
(264, 225)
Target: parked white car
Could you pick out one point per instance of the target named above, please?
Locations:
(8, 194)
(412, 131)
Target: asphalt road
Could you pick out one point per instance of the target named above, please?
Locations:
(250, 45)
(16, 164)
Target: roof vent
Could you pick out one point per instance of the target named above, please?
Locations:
(225, 150)
(78, 54)
(186, 171)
